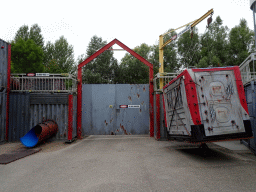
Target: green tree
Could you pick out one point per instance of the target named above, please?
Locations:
(214, 45)
(59, 57)
(171, 63)
(104, 68)
(27, 57)
(133, 70)
(189, 48)
(23, 33)
(33, 33)
(170, 55)
(240, 43)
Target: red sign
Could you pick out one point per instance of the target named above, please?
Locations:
(123, 106)
(174, 37)
(30, 74)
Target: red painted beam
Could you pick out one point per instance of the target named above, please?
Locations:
(96, 54)
(79, 104)
(70, 117)
(8, 93)
(133, 53)
(104, 48)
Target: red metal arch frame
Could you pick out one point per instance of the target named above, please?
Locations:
(93, 56)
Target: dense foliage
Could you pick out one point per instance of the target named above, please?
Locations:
(27, 57)
(217, 46)
(30, 55)
(102, 69)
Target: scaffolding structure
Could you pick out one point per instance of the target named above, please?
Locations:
(247, 68)
(165, 78)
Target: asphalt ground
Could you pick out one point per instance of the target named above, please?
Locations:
(129, 163)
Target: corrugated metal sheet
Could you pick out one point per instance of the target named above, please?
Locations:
(46, 98)
(19, 115)
(74, 115)
(2, 116)
(162, 129)
(3, 87)
(26, 113)
(251, 102)
(3, 65)
(101, 112)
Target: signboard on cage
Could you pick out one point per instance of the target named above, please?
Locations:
(30, 74)
(42, 74)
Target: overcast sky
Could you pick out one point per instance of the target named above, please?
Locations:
(132, 22)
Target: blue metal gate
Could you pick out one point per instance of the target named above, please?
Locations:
(115, 109)
(251, 102)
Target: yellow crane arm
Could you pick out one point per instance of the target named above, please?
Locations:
(170, 40)
(202, 18)
(193, 24)
(177, 28)
(162, 44)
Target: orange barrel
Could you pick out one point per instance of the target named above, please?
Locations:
(40, 133)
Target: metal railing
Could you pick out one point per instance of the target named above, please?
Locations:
(247, 69)
(167, 77)
(43, 82)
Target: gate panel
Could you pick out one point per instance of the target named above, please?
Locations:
(98, 109)
(135, 118)
(101, 112)
(251, 102)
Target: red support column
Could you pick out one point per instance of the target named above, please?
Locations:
(70, 117)
(8, 93)
(79, 104)
(151, 101)
(157, 116)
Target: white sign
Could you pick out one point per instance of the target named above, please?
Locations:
(184, 31)
(133, 106)
(43, 74)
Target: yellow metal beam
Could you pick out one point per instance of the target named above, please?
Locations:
(161, 60)
(178, 28)
(172, 31)
(202, 18)
(162, 44)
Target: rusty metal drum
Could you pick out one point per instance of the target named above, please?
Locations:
(40, 133)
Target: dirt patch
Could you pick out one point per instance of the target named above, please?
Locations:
(47, 146)
(8, 147)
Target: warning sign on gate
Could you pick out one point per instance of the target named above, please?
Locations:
(129, 106)
(123, 106)
(133, 106)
